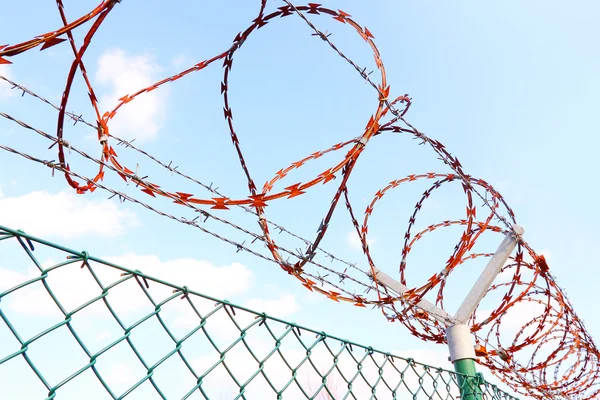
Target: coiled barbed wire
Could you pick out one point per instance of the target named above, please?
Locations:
(551, 355)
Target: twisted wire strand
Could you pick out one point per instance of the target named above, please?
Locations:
(175, 170)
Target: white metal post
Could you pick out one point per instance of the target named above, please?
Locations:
(458, 333)
(488, 275)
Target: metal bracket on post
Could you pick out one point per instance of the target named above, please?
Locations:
(458, 333)
(488, 275)
(424, 305)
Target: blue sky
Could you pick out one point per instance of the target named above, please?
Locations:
(510, 88)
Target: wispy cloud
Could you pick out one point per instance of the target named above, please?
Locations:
(354, 241)
(123, 74)
(280, 308)
(65, 215)
(179, 61)
(74, 286)
(203, 276)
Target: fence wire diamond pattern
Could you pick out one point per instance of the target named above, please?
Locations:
(81, 327)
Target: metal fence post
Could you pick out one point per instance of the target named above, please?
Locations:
(462, 356)
(460, 342)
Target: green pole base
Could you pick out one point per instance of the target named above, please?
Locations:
(468, 380)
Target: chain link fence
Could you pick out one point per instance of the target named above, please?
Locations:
(75, 326)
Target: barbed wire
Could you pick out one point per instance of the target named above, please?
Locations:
(173, 169)
(550, 355)
(341, 276)
(123, 197)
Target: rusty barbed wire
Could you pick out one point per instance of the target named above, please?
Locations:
(550, 355)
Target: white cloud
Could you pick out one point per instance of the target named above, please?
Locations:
(437, 358)
(279, 308)
(354, 241)
(65, 215)
(179, 61)
(74, 286)
(33, 299)
(242, 365)
(10, 278)
(199, 275)
(520, 315)
(5, 89)
(220, 324)
(125, 74)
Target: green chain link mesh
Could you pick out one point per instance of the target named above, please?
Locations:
(84, 328)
